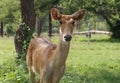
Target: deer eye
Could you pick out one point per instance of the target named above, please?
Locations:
(60, 22)
(73, 22)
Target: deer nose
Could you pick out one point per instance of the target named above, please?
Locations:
(68, 37)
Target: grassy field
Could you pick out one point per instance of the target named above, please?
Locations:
(96, 62)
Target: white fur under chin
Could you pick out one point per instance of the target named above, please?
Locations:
(60, 31)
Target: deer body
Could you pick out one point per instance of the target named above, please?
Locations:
(48, 60)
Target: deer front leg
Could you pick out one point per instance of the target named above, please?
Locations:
(38, 81)
(46, 80)
(32, 76)
(46, 77)
(59, 75)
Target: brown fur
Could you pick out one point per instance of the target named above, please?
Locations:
(46, 59)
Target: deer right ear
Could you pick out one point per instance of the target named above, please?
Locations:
(55, 14)
(79, 14)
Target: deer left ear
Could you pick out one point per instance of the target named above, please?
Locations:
(79, 14)
(55, 14)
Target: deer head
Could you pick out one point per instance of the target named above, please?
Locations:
(67, 22)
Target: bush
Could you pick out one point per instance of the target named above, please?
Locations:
(11, 72)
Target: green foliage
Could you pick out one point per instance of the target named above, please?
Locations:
(70, 6)
(104, 8)
(10, 15)
(24, 39)
(116, 30)
(43, 7)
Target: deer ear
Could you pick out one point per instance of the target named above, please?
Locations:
(79, 14)
(55, 14)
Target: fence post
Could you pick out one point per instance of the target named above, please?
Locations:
(88, 34)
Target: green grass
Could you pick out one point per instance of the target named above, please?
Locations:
(96, 62)
(7, 59)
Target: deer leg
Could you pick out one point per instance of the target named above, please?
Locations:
(59, 74)
(32, 76)
(43, 79)
(38, 81)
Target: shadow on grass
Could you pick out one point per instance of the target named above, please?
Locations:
(91, 76)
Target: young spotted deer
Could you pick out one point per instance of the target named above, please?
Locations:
(48, 60)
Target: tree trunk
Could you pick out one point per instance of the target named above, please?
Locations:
(1, 29)
(26, 28)
(116, 30)
(50, 25)
(39, 26)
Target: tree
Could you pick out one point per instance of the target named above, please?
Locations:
(43, 8)
(26, 27)
(1, 29)
(70, 6)
(109, 10)
(39, 26)
(9, 15)
(50, 25)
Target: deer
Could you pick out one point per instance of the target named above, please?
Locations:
(47, 60)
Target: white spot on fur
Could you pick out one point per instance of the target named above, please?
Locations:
(71, 20)
(64, 38)
(33, 69)
(60, 31)
(68, 21)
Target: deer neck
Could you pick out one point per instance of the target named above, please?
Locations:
(61, 52)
